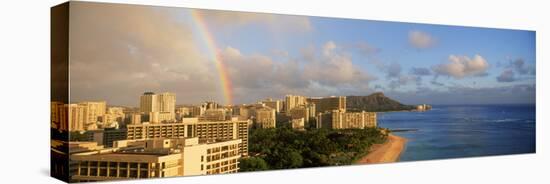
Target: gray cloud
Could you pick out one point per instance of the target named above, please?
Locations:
(515, 70)
(521, 67)
(393, 70)
(420, 71)
(459, 67)
(421, 40)
(120, 51)
(366, 49)
(457, 94)
(506, 76)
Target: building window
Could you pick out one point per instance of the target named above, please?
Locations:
(202, 167)
(202, 158)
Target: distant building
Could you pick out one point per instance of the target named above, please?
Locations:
(154, 158)
(148, 102)
(215, 115)
(292, 101)
(114, 114)
(135, 118)
(196, 111)
(326, 104)
(60, 119)
(111, 135)
(298, 124)
(210, 105)
(265, 117)
(104, 137)
(277, 105)
(345, 120)
(306, 111)
(423, 107)
(93, 112)
(245, 112)
(161, 117)
(164, 103)
(76, 117)
(182, 112)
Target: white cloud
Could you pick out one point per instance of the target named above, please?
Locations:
(334, 67)
(324, 71)
(459, 67)
(421, 40)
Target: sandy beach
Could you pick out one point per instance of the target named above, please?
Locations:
(386, 152)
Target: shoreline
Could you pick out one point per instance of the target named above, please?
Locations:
(387, 152)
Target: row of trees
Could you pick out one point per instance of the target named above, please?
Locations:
(282, 148)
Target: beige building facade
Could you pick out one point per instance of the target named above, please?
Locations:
(265, 117)
(154, 158)
(292, 101)
(162, 103)
(209, 131)
(326, 104)
(338, 119)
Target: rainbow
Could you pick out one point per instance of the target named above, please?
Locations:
(213, 54)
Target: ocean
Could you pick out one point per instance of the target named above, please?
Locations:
(456, 131)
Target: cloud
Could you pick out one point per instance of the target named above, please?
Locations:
(324, 71)
(521, 67)
(395, 77)
(434, 82)
(334, 67)
(458, 94)
(506, 76)
(120, 51)
(276, 23)
(459, 67)
(421, 40)
(366, 49)
(420, 71)
(403, 80)
(393, 70)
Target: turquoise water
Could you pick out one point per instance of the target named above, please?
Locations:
(455, 131)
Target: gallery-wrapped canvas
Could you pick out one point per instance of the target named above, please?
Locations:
(151, 92)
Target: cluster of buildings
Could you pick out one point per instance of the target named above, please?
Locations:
(423, 107)
(161, 139)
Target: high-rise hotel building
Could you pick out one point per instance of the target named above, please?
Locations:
(76, 117)
(148, 102)
(79, 116)
(338, 119)
(327, 104)
(93, 111)
(292, 101)
(159, 107)
(59, 118)
(265, 117)
(208, 131)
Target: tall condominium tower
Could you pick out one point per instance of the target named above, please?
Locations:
(292, 101)
(163, 104)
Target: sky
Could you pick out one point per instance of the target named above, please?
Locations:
(117, 52)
